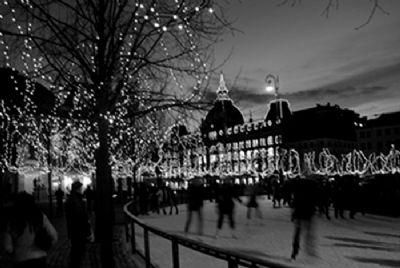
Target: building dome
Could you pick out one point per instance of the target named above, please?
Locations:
(224, 113)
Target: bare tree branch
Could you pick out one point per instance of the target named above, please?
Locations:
(334, 4)
(375, 7)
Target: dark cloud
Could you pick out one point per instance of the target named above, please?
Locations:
(336, 93)
(371, 76)
(364, 87)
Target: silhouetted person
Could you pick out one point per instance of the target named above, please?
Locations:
(89, 196)
(172, 200)
(143, 194)
(338, 198)
(304, 203)
(154, 205)
(252, 203)
(276, 192)
(324, 198)
(161, 199)
(225, 201)
(353, 194)
(60, 200)
(22, 228)
(195, 197)
(286, 192)
(78, 226)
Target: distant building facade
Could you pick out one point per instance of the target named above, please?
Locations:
(323, 127)
(379, 134)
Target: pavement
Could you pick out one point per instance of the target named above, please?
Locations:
(58, 255)
(368, 241)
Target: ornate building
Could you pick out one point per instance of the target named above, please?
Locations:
(233, 146)
(325, 139)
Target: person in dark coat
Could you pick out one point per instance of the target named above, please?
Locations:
(172, 200)
(276, 192)
(304, 204)
(60, 200)
(324, 197)
(78, 226)
(225, 203)
(353, 194)
(195, 197)
(161, 201)
(89, 196)
(143, 195)
(252, 203)
(338, 198)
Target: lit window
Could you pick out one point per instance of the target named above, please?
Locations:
(262, 141)
(269, 140)
(241, 145)
(255, 143)
(248, 144)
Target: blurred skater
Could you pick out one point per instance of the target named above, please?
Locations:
(252, 204)
(304, 203)
(172, 200)
(78, 225)
(225, 204)
(195, 205)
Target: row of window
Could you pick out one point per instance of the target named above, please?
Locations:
(247, 127)
(379, 132)
(248, 144)
(379, 145)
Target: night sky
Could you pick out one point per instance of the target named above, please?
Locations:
(318, 59)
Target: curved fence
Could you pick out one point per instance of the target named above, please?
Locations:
(233, 259)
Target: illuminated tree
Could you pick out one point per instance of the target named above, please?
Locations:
(112, 62)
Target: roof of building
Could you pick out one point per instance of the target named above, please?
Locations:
(387, 119)
(323, 121)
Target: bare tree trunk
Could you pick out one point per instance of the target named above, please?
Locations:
(49, 182)
(104, 204)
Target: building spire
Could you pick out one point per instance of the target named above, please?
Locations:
(222, 91)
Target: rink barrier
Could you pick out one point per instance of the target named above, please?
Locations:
(233, 259)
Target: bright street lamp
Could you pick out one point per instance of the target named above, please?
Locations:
(272, 84)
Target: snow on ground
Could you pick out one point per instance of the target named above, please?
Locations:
(366, 241)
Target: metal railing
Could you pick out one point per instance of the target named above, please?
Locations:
(233, 259)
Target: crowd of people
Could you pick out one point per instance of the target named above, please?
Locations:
(340, 192)
(306, 197)
(155, 198)
(323, 196)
